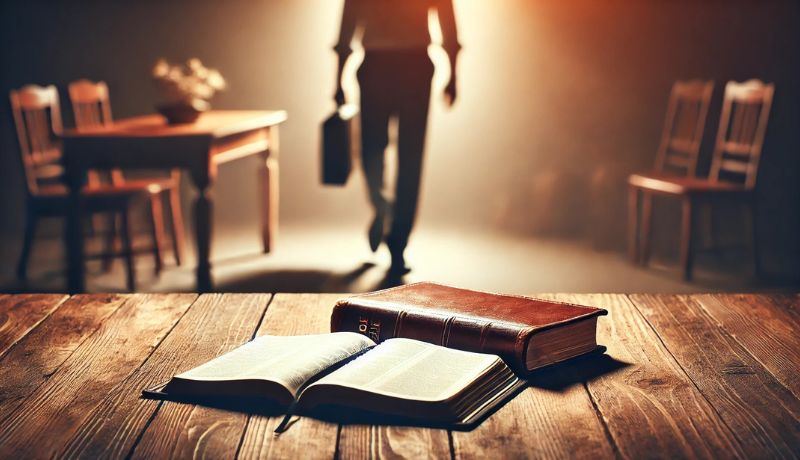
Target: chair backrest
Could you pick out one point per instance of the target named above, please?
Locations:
(37, 116)
(90, 103)
(742, 126)
(682, 135)
(91, 106)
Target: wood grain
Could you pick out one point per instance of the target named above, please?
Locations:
(34, 358)
(19, 314)
(651, 407)
(292, 314)
(766, 325)
(372, 441)
(698, 376)
(188, 430)
(41, 425)
(747, 397)
(791, 301)
(113, 427)
(542, 421)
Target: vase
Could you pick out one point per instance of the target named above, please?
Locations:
(179, 114)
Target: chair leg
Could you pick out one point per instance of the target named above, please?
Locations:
(157, 230)
(686, 237)
(110, 243)
(95, 221)
(644, 238)
(31, 219)
(713, 230)
(177, 229)
(633, 224)
(752, 227)
(127, 251)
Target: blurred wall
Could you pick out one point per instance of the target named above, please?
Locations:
(558, 102)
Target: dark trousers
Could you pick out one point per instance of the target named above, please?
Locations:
(395, 83)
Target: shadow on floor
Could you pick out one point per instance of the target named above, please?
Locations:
(308, 261)
(308, 280)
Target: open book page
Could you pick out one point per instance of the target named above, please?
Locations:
(410, 369)
(287, 360)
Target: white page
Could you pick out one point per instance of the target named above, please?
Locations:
(413, 370)
(288, 360)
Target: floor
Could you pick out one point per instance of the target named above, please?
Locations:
(314, 259)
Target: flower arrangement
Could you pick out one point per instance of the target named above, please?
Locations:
(186, 87)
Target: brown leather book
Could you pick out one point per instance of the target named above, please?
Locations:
(527, 333)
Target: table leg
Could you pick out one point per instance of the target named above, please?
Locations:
(73, 237)
(268, 178)
(203, 209)
(687, 216)
(633, 224)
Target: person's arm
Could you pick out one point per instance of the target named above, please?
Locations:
(447, 22)
(342, 48)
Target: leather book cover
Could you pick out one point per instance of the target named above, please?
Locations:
(457, 318)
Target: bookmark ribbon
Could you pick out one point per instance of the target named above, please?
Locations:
(287, 419)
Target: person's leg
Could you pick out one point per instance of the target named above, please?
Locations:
(413, 115)
(375, 112)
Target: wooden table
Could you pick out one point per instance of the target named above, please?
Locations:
(695, 376)
(147, 142)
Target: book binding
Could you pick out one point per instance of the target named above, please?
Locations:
(457, 318)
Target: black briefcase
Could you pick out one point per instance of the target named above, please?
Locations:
(339, 135)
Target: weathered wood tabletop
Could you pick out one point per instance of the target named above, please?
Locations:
(685, 376)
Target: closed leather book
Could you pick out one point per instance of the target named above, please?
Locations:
(527, 333)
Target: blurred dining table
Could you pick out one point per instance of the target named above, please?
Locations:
(147, 142)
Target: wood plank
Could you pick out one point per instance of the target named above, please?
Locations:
(651, 407)
(39, 354)
(41, 425)
(553, 418)
(293, 314)
(748, 398)
(766, 325)
(215, 325)
(371, 441)
(792, 301)
(19, 314)
(113, 427)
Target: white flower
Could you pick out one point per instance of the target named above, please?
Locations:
(175, 74)
(161, 68)
(215, 80)
(191, 84)
(194, 64)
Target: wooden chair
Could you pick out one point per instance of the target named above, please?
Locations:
(677, 154)
(734, 168)
(37, 116)
(92, 107)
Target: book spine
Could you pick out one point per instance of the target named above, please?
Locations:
(377, 324)
(462, 333)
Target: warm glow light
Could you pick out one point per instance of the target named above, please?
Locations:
(437, 54)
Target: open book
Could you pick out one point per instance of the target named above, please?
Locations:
(401, 378)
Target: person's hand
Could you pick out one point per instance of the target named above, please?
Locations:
(450, 92)
(339, 96)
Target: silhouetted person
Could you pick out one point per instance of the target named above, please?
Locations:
(395, 81)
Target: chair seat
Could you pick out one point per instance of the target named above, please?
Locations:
(104, 190)
(677, 185)
(52, 199)
(52, 171)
